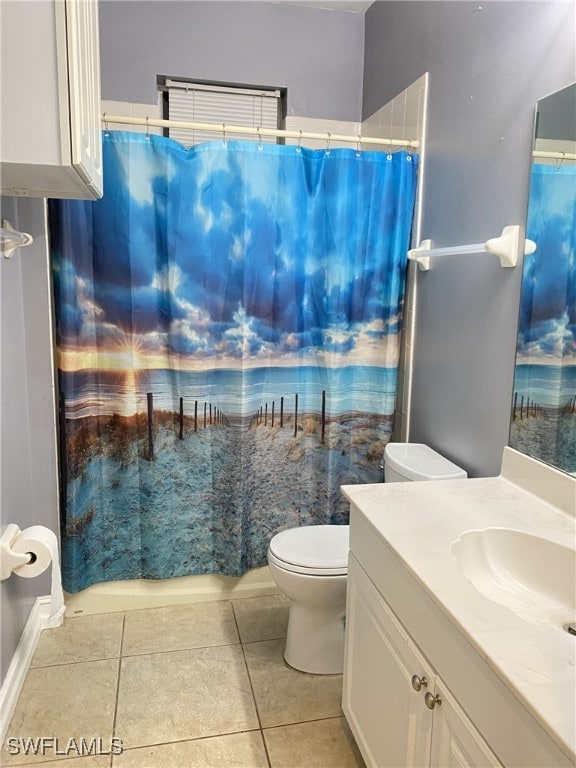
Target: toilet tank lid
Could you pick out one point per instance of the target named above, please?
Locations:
(417, 461)
(313, 546)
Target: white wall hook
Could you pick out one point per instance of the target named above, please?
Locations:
(506, 247)
(11, 238)
(10, 560)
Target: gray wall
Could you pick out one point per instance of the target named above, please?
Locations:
(27, 437)
(489, 62)
(317, 54)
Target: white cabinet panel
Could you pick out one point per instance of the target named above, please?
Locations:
(388, 717)
(50, 144)
(400, 712)
(84, 91)
(455, 741)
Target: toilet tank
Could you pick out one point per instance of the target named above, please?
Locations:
(405, 462)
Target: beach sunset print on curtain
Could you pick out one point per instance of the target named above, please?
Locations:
(227, 324)
(544, 407)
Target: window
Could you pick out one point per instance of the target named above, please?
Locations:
(202, 102)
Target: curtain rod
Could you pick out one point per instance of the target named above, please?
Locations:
(224, 128)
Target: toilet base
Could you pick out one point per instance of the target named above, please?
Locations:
(315, 641)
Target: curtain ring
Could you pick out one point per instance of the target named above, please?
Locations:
(358, 145)
(329, 136)
(224, 142)
(389, 149)
(559, 161)
(147, 128)
(299, 147)
(106, 130)
(260, 145)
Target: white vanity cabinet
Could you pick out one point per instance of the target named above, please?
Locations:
(50, 144)
(504, 686)
(399, 710)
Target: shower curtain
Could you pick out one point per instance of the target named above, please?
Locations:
(228, 323)
(543, 421)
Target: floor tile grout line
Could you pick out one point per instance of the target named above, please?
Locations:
(302, 722)
(189, 739)
(178, 650)
(118, 684)
(73, 663)
(252, 690)
(122, 634)
(251, 642)
(152, 653)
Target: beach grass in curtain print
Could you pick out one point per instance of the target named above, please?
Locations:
(544, 405)
(228, 324)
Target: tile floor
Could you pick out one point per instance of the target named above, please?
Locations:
(194, 686)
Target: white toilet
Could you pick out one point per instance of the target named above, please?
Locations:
(310, 565)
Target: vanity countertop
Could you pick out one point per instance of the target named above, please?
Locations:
(420, 521)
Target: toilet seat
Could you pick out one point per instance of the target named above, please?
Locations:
(314, 550)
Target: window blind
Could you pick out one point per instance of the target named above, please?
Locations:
(220, 104)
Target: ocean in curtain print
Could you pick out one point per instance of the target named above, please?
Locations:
(257, 289)
(237, 393)
(543, 421)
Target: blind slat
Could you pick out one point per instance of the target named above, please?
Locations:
(232, 108)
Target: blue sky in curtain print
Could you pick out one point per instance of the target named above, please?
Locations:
(228, 257)
(547, 331)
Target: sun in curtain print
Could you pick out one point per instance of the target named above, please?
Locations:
(228, 334)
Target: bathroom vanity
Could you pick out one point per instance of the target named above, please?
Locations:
(458, 594)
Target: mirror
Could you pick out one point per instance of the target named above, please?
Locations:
(543, 419)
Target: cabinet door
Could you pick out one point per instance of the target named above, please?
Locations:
(84, 91)
(455, 741)
(387, 716)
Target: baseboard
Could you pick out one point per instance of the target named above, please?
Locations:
(14, 680)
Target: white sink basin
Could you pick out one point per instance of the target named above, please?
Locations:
(532, 576)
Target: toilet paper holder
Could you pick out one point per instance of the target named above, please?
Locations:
(11, 561)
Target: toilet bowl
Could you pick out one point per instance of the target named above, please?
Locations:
(310, 565)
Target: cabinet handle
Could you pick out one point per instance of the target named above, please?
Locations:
(419, 682)
(430, 700)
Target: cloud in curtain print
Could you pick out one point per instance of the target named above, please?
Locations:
(547, 330)
(207, 265)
